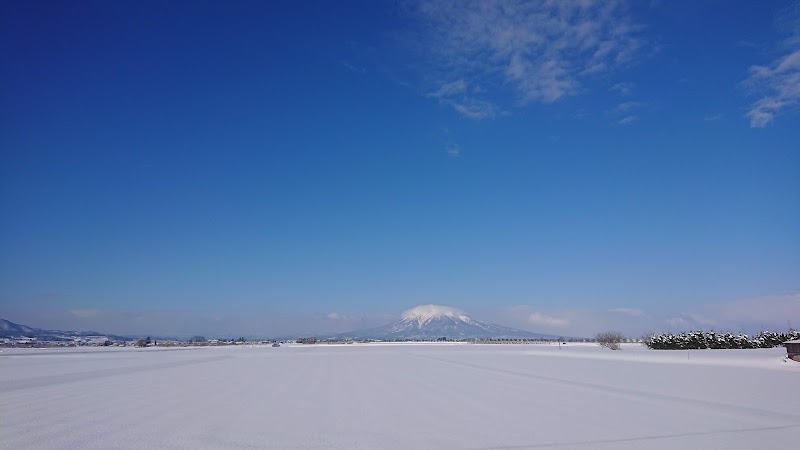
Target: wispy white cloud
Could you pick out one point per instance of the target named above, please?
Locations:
(625, 107)
(623, 112)
(689, 321)
(624, 88)
(777, 83)
(459, 95)
(780, 81)
(763, 112)
(678, 322)
(750, 315)
(770, 312)
(636, 312)
(538, 318)
(540, 49)
(788, 23)
(473, 108)
(85, 313)
(713, 117)
(353, 67)
(450, 89)
(450, 146)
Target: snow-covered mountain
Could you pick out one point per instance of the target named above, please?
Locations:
(434, 321)
(14, 331)
(11, 328)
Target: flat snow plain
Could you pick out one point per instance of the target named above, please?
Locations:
(418, 396)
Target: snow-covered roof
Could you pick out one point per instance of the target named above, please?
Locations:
(793, 341)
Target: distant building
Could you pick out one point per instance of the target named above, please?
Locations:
(793, 349)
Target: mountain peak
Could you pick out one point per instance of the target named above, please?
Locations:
(435, 321)
(6, 327)
(426, 313)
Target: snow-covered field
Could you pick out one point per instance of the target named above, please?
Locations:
(399, 396)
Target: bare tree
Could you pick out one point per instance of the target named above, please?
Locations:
(610, 339)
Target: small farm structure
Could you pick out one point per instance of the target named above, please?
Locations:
(793, 349)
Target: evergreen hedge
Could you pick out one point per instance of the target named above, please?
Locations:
(710, 339)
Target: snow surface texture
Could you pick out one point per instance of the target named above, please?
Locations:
(398, 396)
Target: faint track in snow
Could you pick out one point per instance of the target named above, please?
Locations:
(393, 396)
(596, 442)
(50, 380)
(69, 352)
(719, 407)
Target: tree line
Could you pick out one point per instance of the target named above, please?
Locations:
(695, 340)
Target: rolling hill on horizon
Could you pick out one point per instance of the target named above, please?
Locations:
(11, 330)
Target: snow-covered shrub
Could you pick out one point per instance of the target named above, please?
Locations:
(710, 339)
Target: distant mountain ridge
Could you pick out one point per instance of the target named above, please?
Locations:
(434, 321)
(11, 330)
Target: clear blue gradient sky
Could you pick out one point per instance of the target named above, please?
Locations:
(287, 167)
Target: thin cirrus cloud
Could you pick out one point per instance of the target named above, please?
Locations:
(771, 312)
(538, 318)
(85, 313)
(453, 150)
(541, 50)
(636, 312)
(624, 88)
(689, 321)
(457, 95)
(778, 83)
(625, 107)
(623, 113)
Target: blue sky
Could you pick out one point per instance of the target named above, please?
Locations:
(304, 167)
